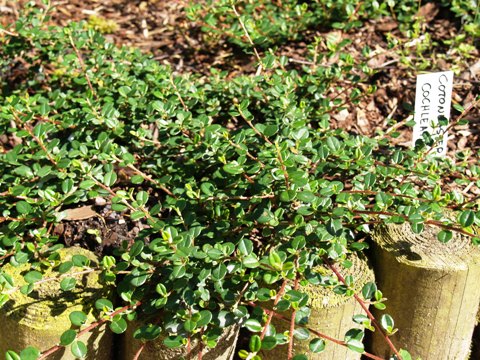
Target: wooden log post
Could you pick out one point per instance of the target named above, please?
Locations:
(432, 289)
(39, 318)
(156, 350)
(331, 314)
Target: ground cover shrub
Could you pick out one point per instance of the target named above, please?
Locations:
(272, 23)
(238, 187)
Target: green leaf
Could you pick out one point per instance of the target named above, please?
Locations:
(205, 318)
(87, 184)
(139, 280)
(32, 277)
(30, 353)
(417, 228)
(275, 260)
(207, 188)
(245, 246)
(110, 178)
(387, 323)
(466, 218)
(458, 107)
(288, 195)
(370, 180)
(12, 355)
(270, 130)
(301, 333)
(445, 236)
(77, 318)
(233, 168)
(118, 326)
(405, 354)
(136, 179)
(119, 207)
(26, 289)
(334, 144)
(368, 290)
(65, 267)
(173, 342)
(23, 207)
(189, 325)
(124, 90)
(80, 260)
(300, 357)
(269, 342)
(22, 257)
(136, 248)
(306, 196)
(142, 198)
(148, 332)
(103, 305)
(68, 337)
(317, 345)
(68, 284)
(354, 340)
(253, 325)
(250, 261)
(255, 343)
(161, 290)
(137, 215)
(79, 349)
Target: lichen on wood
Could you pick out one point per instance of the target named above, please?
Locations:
(39, 318)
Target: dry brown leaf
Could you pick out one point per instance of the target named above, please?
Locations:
(428, 11)
(81, 213)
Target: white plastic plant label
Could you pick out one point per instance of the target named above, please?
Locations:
(433, 97)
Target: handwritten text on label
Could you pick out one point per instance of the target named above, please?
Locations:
(432, 100)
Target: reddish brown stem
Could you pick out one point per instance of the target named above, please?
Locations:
(40, 143)
(82, 64)
(292, 324)
(139, 351)
(200, 347)
(365, 308)
(275, 302)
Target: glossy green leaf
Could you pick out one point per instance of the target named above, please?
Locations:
(118, 326)
(33, 276)
(23, 207)
(253, 325)
(30, 353)
(466, 218)
(68, 284)
(78, 349)
(68, 337)
(77, 318)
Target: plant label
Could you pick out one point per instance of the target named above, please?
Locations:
(433, 97)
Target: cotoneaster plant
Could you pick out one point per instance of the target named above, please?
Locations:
(240, 186)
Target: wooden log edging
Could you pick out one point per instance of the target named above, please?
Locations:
(39, 318)
(432, 289)
(331, 314)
